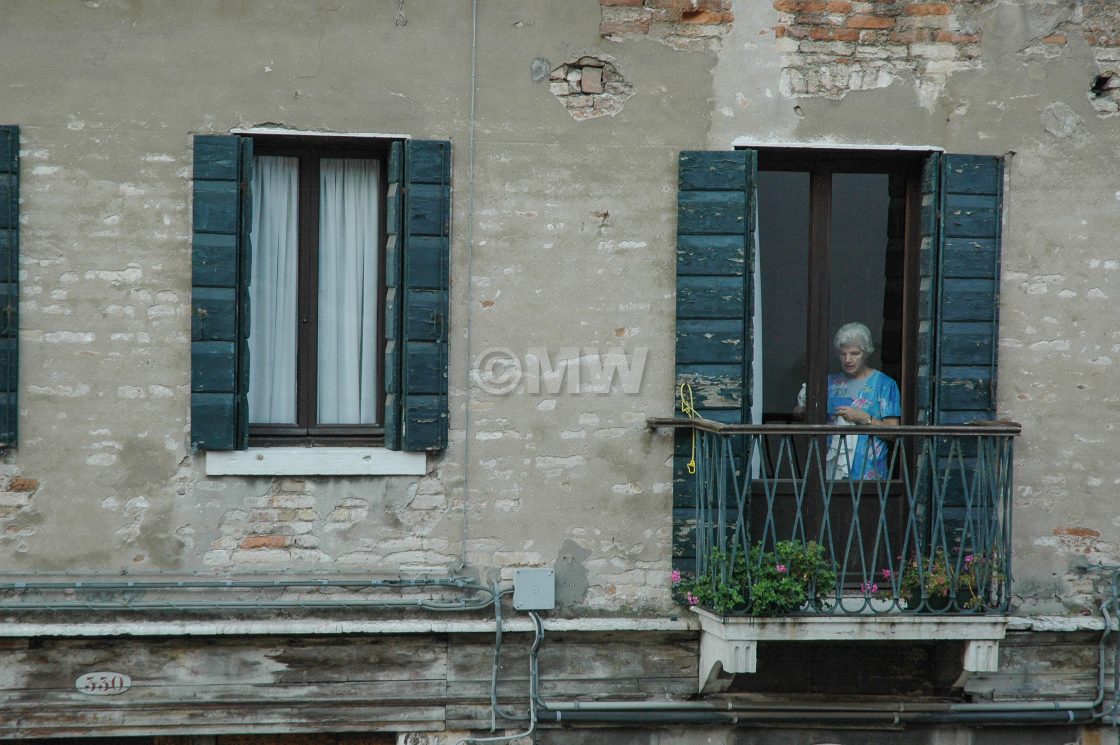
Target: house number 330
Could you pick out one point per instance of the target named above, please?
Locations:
(103, 683)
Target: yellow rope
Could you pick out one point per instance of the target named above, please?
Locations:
(689, 410)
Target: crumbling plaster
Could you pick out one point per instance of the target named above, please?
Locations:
(563, 238)
(561, 257)
(1058, 343)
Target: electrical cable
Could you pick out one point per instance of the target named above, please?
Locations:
(495, 710)
(538, 640)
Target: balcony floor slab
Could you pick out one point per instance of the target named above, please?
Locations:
(730, 643)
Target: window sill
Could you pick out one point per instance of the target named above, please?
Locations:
(315, 461)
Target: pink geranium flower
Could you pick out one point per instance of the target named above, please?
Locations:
(675, 575)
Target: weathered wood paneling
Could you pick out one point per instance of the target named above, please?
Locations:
(1041, 665)
(338, 683)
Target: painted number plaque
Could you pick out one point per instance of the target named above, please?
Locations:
(103, 683)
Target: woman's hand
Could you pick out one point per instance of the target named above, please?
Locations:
(859, 416)
(854, 415)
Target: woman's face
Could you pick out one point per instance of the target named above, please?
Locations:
(853, 360)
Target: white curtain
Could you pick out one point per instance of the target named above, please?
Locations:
(273, 293)
(349, 233)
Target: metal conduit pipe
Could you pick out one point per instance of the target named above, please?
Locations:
(483, 596)
(849, 718)
(895, 709)
(495, 710)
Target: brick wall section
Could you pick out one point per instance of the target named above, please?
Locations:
(302, 525)
(690, 25)
(15, 495)
(1101, 22)
(835, 46)
(1101, 26)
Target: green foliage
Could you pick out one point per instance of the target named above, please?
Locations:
(769, 584)
(938, 580)
(793, 575)
(722, 588)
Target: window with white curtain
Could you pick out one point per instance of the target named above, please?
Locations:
(316, 289)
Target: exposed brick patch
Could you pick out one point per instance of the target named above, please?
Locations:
(1077, 532)
(617, 28)
(800, 6)
(835, 46)
(1101, 22)
(1101, 26)
(296, 526)
(19, 483)
(913, 36)
(589, 87)
(954, 38)
(833, 34)
(869, 22)
(265, 541)
(16, 498)
(689, 25)
(1098, 23)
(703, 16)
(928, 9)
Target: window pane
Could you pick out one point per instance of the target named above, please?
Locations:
(783, 260)
(858, 254)
(273, 291)
(349, 231)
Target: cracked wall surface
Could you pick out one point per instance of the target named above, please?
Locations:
(563, 237)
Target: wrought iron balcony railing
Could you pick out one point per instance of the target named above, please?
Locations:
(777, 507)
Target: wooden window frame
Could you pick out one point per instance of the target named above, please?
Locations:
(309, 151)
(821, 164)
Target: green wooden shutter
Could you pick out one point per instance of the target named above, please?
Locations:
(220, 292)
(417, 283)
(968, 289)
(929, 262)
(9, 284)
(394, 222)
(964, 327)
(715, 242)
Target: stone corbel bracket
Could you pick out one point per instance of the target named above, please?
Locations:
(730, 643)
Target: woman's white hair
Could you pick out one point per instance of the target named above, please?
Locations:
(854, 334)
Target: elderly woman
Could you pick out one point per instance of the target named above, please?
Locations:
(859, 395)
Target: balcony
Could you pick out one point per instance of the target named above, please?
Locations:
(778, 541)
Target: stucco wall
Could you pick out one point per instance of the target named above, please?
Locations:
(550, 250)
(1028, 97)
(563, 237)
